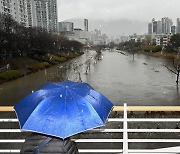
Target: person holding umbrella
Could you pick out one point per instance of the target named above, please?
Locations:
(43, 144)
(59, 110)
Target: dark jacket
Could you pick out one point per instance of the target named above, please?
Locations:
(37, 142)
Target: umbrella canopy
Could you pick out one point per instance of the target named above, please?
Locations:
(63, 109)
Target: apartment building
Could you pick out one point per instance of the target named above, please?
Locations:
(178, 25)
(46, 14)
(32, 13)
(17, 9)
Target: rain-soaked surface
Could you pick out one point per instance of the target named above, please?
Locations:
(142, 81)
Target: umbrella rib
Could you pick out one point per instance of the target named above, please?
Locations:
(53, 83)
(36, 109)
(98, 103)
(77, 108)
(88, 103)
(87, 100)
(88, 86)
(65, 110)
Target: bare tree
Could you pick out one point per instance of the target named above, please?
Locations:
(175, 67)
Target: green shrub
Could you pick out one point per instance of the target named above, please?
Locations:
(156, 48)
(56, 58)
(39, 66)
(11, 74)
(147, 48)
(60, 59)
(77, 54)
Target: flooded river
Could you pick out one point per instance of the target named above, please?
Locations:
(142, 81)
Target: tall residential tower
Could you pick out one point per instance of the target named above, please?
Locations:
(46, 13)
(32, 13)
(17, 9)
(86, 25)
(178, 25)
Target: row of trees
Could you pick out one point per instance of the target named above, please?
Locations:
(174, 43)
(16, 40)
(150, 46)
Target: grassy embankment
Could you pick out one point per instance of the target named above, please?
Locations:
(162, 54)
(25, 65)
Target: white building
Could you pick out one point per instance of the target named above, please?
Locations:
(82, 36)
(86, 25)
(178, 26)
(166, 25)
(42, 14)
(65, 27)
(159, 27)
(46, 14)
(158, 40)
(124, 38)
(17, 9)
(166, 40)
(52, 15)
(32, 13)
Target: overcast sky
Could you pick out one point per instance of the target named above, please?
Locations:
(113, 10)
(118, 9)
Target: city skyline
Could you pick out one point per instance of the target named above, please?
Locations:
(43, 13)
(118, 9)
(131, 16)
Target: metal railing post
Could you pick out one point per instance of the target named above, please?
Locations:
(125, 132)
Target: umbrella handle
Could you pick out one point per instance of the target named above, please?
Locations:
(40, 146)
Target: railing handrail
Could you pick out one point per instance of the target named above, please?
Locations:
(125, 130)
(121, 120)
(104, 140)
(121, 108)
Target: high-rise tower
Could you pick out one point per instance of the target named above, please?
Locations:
(149, 28)
(178, 26)
(46, 13)
(31, 11)
(85, 24)
(166, 25)
(17, 9)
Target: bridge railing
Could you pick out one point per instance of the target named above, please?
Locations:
(124, 139)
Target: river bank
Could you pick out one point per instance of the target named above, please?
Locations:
(161, 54)
(14, 68)
(142, 81)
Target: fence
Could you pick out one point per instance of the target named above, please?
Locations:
(5, 68)
(125, 131)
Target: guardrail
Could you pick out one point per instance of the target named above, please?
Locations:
(125, 140)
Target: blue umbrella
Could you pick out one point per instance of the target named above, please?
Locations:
(63, 109)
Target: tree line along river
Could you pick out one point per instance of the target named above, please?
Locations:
(142, 81)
